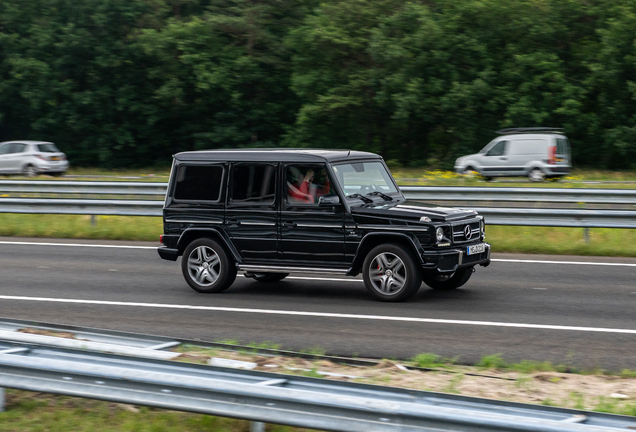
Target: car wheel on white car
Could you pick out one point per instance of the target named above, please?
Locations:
(536, 175)
(29, 171)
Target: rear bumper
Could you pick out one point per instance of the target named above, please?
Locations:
(451, 260)
(168, 253)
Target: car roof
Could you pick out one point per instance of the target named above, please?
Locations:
(275, 155)
(26, 142)
(529, 136)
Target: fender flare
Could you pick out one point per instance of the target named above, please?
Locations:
(190, 234)
(363, 249)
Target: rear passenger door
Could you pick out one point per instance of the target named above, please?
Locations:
(252, 210)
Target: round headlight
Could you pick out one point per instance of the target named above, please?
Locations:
(439, 234)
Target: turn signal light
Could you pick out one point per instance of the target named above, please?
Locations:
(161, 238)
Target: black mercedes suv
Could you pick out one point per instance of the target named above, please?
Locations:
(269, 213)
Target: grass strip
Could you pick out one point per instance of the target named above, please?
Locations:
(537, 240)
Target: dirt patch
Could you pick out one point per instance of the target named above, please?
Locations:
(569, 390)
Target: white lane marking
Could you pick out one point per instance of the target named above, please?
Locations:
(324, 314)
(155, 247)
(78, 245)
(563, 262)
(540, 288)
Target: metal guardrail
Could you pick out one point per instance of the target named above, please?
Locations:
(281, 399)
(476, 198)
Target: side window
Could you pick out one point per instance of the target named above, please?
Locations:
(4, 149)
(307, 183)
(17, 148)
(198, 182)
(253, 184)
(498, 149)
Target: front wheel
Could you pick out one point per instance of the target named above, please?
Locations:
(448, 282)
(206, 266)
(391, 273)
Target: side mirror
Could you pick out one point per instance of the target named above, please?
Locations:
(329, 200)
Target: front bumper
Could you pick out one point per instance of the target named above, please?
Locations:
(449, 260)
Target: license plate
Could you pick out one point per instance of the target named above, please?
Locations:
(476, 249)
(55, 158)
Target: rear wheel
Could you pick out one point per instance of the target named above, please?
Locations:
(267, 277)
(536, 175)
(391, 273)
(206, 266)
(448, 282)
(29, 171)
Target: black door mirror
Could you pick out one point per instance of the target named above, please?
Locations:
(329, 200)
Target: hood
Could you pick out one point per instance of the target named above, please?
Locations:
(411, 211)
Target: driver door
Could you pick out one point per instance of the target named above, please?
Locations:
(310, 233)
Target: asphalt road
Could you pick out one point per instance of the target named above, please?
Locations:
(567, 313)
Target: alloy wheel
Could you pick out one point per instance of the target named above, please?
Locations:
(204, 265)
(387, 273)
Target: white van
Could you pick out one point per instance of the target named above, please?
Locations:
(536, 153)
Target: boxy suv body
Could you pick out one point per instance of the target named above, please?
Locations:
(270, 213)
(31, 158)
(536, 153)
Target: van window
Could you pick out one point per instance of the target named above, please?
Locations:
(498, 149)
(198, 183)
(253, 184)
(563, 146)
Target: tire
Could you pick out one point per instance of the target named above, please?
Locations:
(453, 281)
(380, 268)
(470, 171)
(201, 256)
(29, 171)
(536, 175)
(269, 277)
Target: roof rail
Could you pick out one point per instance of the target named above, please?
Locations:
(525, 130)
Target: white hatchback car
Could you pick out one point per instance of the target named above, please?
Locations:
(31, 158)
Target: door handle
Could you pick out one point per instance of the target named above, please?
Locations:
(503, 158)
(289, 224)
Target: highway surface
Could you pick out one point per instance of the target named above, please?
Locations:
(562, 309)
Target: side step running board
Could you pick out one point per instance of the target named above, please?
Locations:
(286, 269)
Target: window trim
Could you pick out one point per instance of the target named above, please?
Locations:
(173, 192)
(230, 185)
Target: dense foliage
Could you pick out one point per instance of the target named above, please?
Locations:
(120, 83)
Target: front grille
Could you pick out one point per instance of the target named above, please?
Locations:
(460, 232)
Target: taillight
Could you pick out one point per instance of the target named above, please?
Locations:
(41, 157)
(551, 155)
(161, 238)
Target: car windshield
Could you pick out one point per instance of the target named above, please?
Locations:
(47, 148)
(365, 178)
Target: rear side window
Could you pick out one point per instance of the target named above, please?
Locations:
(198, 183)
(17, 148)
(253, 184)
(47, 148)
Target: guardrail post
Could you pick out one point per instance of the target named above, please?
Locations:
(586, 234)
(257, 426)
(1, 399)
(93, 220)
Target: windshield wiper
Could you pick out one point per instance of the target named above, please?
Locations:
(383, 195)
(362, 197)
